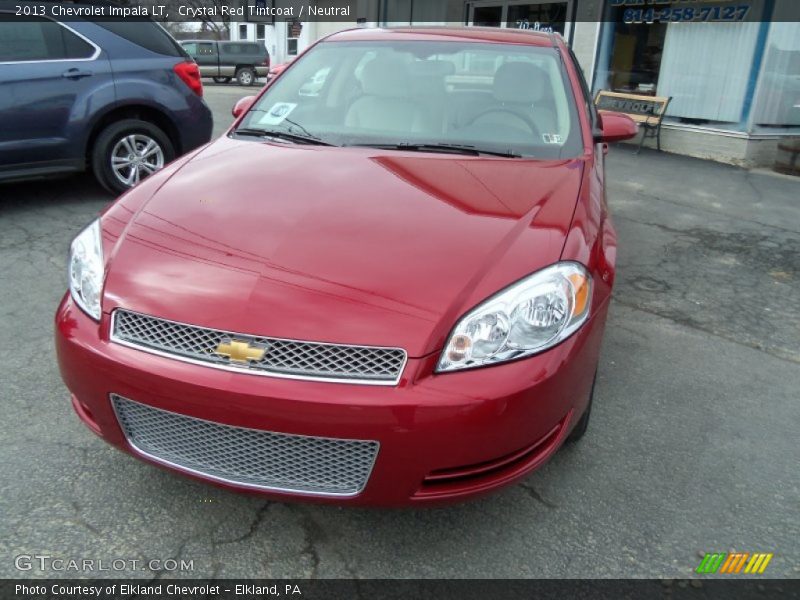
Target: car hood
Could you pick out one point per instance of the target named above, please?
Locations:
(342, 245)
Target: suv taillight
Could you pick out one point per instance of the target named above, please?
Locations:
(190, 75)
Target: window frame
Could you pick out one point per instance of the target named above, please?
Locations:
(594, 117)
(289, 39)
(93, 57)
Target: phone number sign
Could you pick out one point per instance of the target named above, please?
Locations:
(640, 11)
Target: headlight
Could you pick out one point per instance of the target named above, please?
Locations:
(86, 269)
(532, 315)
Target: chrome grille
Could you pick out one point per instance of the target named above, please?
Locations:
(283, 358)
(248, 457)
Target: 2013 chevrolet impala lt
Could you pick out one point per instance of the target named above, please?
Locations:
(386, 284)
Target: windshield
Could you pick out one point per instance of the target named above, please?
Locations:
(494, 98)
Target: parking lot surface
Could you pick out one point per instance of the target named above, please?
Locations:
(692, 446)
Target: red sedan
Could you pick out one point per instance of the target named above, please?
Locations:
(276, 70)
(404, 306)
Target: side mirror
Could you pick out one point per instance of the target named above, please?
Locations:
(616, 127)
(242, 106)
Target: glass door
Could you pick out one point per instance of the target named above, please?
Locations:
(482, 15)
(536, 15)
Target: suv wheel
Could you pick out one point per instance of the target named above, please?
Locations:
(245, 76)
(222, 79)
(127, 151)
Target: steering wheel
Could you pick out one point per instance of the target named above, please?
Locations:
(524, 118)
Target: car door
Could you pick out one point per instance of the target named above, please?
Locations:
(228, 58)
(48, 74)
(207, 58)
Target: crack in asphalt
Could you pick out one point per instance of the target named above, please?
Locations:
(252, 529)
(258, 518)
(716, 213)
(742, 263)
(695, 325)
(537, 496)
(313, 533)
(81, 521)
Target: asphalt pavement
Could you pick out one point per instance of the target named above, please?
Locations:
(692, 448)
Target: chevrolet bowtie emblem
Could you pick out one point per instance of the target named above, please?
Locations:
(240, 352)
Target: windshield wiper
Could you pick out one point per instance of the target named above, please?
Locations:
(282, 135)
(451, 148)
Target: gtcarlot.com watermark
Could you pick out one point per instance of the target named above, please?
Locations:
(48, 563)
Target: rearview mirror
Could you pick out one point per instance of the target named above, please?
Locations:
(242, 106)
(616, 127)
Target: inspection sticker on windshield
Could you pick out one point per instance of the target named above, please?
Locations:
(278, 112)
(552, 138)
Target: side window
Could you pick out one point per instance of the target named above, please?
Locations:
(190, 47)
(205, 49)
(147, 34)
(236, 48)
(74, 46)
(39, 40)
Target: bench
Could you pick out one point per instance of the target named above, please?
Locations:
(647, 111)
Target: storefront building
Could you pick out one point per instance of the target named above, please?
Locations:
(731, 69)
(734, 80)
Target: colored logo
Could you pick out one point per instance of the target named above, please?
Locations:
(240, 352)
(734, 563)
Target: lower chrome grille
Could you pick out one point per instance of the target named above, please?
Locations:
(278, 357)
(248, 457)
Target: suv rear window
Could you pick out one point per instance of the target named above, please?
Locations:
(39, 39)
(146, 34)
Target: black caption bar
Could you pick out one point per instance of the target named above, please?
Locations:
(383, 11)
(463, 589)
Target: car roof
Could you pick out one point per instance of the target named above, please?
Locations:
(462, 33)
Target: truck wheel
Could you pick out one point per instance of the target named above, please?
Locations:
(583, 424)
(127, 151)
(245, 76)
(222, 79)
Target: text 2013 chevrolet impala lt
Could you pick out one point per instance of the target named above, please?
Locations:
(404, 306)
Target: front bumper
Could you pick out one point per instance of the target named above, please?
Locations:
(442, 437)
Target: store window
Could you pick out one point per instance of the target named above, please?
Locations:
(487, 16)
(413, 11)
(550, 16)
(705, 67)
(778, 98)
(293, 30)
(635, 58)
(539, 15)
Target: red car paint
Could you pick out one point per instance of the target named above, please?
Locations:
(356, 246)
(276, 70)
